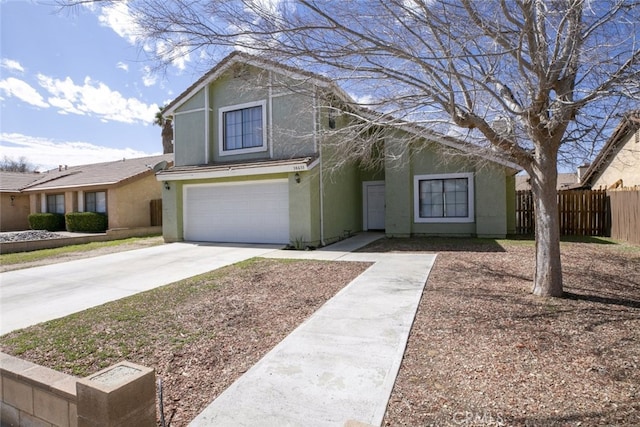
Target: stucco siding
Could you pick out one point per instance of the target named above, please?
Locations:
(398, 184)
(293, 126)
(491, 202)
(196, 102)
(342, 203)
(129, 204)
(14, 213)
(304, 209)
(189, 137)
(490, 191)
(625, 165)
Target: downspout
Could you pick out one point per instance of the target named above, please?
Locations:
(206, 124)
(316, 129)
(270, 117)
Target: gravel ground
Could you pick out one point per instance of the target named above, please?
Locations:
(23, 236)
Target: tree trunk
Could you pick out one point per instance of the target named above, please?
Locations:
(547, 281)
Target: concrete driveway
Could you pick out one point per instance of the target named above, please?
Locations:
(39, 294)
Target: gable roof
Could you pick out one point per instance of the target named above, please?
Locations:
(97, 174)
(14, 182)
(629, 124)
(243, 58)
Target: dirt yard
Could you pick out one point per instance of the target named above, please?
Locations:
(482, 351)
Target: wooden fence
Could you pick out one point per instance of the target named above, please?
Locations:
(156, 212)
(582, 212)
(625, 215)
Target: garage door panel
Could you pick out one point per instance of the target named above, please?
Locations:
(254, 212)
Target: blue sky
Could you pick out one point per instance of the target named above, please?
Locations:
(75, 88)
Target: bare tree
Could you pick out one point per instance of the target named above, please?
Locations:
(536, 80)
(9, 164)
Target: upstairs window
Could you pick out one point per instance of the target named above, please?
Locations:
(55, 203)
(443, 198)
(95, 202)
(242, 128)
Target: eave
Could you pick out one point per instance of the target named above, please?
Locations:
(231, 170)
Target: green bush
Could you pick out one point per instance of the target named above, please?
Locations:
(46, 221)
(87, 222)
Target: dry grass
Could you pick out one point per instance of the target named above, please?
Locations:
(199, 334)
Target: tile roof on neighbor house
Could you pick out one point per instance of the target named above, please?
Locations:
(14, 182)
(108, 173)
(565, 181)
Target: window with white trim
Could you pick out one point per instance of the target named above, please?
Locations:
(95, 202)
(242, 128)
(443, 198)
(55, 203)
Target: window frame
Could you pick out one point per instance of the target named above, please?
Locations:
(442, 177)
(56, 203)
(86, 204)
(221, 128)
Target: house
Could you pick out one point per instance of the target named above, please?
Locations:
(14, 204)
(566, 181)
(122, 189)
(257, 160)
(618, 163)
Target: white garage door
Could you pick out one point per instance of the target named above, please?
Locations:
(253, 212)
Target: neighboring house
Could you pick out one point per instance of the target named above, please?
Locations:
(256, 162)
(618, 163)
(566, 181)
(14, 205)
(122, 189)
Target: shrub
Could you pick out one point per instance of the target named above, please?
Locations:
(46, 221)
(87, 222)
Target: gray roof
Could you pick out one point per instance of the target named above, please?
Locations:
(13, 182)
(96, 174)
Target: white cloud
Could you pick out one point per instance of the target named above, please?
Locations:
(23, 91)
(119, 17)
(12, 65)
(121, 65)
(94, 98)
(149, 78)
(47, 153)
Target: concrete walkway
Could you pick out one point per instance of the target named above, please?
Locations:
(341, 363)
(39, 294)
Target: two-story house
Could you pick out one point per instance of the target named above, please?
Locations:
(257, 160)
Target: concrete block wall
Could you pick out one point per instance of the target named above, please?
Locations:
(32, 395)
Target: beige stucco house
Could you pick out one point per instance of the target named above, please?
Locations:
(618, 163)
(14, 204)
(122, 189)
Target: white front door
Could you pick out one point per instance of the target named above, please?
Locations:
(374, 204)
